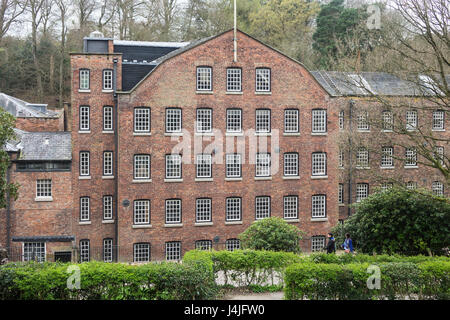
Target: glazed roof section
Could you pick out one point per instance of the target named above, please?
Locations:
(23, 109)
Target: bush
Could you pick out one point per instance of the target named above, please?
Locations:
(401, 221)
(273, 234)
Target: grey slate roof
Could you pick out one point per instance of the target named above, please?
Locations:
(20, 108)
(43, 239)
(46, 146)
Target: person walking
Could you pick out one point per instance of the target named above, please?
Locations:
(331, 245)
(348, 244)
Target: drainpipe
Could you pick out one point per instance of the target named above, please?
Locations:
(350, 169)
(116, 164)
(8, 213)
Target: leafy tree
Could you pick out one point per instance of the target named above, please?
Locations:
(6, 133)
(399, 220)
(272, 234)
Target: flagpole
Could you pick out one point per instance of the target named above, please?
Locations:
(234, 37)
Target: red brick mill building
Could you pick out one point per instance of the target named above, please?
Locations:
(176, 146)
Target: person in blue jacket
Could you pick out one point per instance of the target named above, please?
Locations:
(348, 244)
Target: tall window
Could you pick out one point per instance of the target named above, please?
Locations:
(262, 120)
(173, 211)
(141, 252)
(43, 188)
(85, 209)
(233, 165)
(107, 250)
(173, 120)
(233, 209)
(107, 79)
(204, 166)
(411, 157)
(411, 120)
(439, 154)
(107, 118)
(203, 245)
(84, 163)
(107, 207)
(362, 158)
(387, 159)
(319, 121)
(291, 121)
(141, 212)
(203, 210)
(262, 80)
(234, 79)
(173, 251)
(318, 206)
(437, 188)
(262, 207)
(204, 120)
(291, 164)
(234, 120)
(341, 119)
(319, 164)
(362, 191)
(341, 193)
(85, 251)
(263, 165)
(141, 120)
(173, 166)
(34, 251)
(317, 243)
(290, 207)
(204, 78)
(438, 120)
(341, 159)
(107, 163)
(233, 244)
(388, 121)
(84, 118)
(411, 185)
(386, 186)
(362, 121)
(141, 166)
(84, 79)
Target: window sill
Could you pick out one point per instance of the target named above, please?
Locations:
(203, 179)
(84, 90)
(362, 168)
(141, 226)
(173, 225)
(173, 180)
(204, 92)
(234, 92)
(291, 177)
(108, 131)
(84, 177)
(263, 93)
(142, 134)
(363, 130)
(387, 168)
(263, 134)
(203, 224)
(263, 178)
(341, 204)
(292, 220)
(411, 167)
(107, 221)
(84, 131)
(43, 199)
(208, 134)
(107, 177)
(141, 180)
(387, 131)
(438, 130)
(82, 223)
(233, 179)
(173, 134)
(107, 90)
(319, 177)
(319, 219)
(319, 133)
(234, 134)
(291, 134)
(231, 223)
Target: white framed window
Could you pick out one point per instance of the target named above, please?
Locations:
(85, 209)
(34, 251)
(318, 206)
(233, 209)
(411, 157)
(262, 121)
(107, 207)
(141, 212)
(203, 210)
(233, 165)
(290, 207)
(173, 166)
(234, 120)
(107, 250)
(141, 252)
(387, 159)
(362, 121)
(233, 244)
(204, 79)
(234, 79)
(341, 159)
(107, 163)
(142, 119)
(204, 165)
(341, 193)
(291, 121)
(362, 191)
(317, 243)
(411, 185)
(85, 251)
(107, 79)
(84, 118)
(43, 188)
(203, 245)
(386, 186)
(204, 120)
(290, 164)
(319, 164)
(341, 119)
(262, 80)
(84, 79)
(263, 165)
(438, 120)
(439, 154)
(437, 188)
(319, 121)
(107, 118)
(141, 166)
(388, 121)
(262, 207)
(84, 163)
(411, 120)
(362, 158)
(173, 120)
(173, 251)
(173, 211)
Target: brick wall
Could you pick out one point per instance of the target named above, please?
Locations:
(41, 124)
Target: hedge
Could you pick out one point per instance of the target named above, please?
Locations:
(111, 281)
(399, 280)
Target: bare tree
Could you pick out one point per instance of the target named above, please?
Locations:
(106, 10)
(63, 6)
(10, 11)
(84, 10)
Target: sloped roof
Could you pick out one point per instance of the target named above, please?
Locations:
(45, 146)
(20, 108)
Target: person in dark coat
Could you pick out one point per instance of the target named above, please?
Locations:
(331, 245)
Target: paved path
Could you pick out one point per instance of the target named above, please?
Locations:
(255, 296)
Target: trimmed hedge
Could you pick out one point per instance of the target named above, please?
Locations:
(110, 281)
(399, 280)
